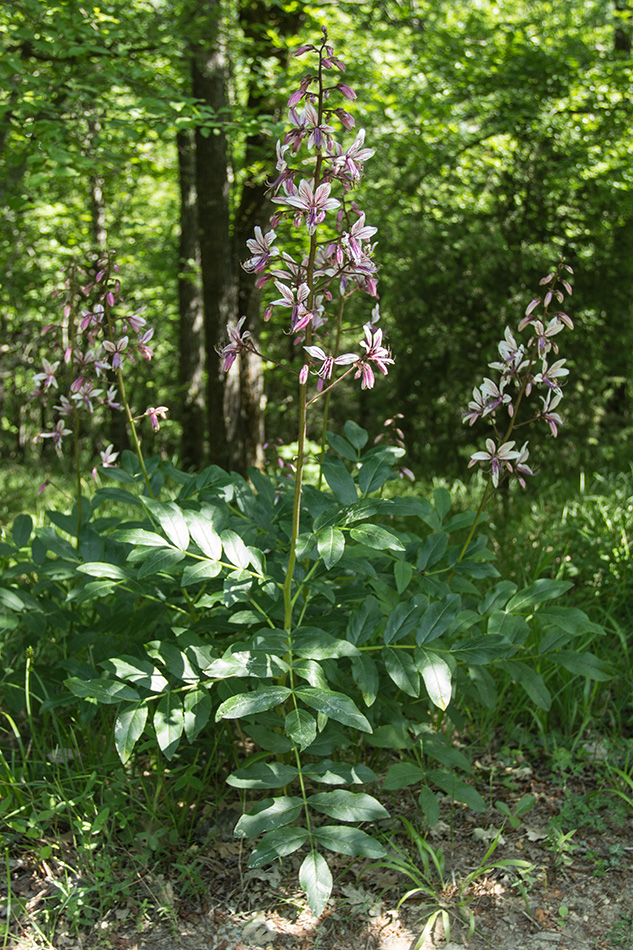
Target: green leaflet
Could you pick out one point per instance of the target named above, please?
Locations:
(137, 671)
(199, 572)
(436, 674)
(169, 723)
(531, 681)
(351, 841)
(263, 775)
(335, 706)
(348, 806)
(315, 878)
(331, 546)
(102, 570)
(537, 593)
(197, 711)
(203, 533)
(355, 434)
(402, 670)
(365, 673)
(171, 520)
(269, 814)
(128, 729)
(401, 775)
(247, 704)
(339, 480)
(277, 844)
(103, 690)
(377, 537)
(21, 530)
(301, 727)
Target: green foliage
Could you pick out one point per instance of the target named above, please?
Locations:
(171, 613)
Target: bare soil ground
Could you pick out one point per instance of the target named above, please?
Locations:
(576, 892)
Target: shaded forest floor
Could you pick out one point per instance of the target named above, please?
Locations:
(574, 892)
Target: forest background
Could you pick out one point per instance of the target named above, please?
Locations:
(502, 134)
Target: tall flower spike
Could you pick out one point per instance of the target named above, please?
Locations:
(339, 261)
(523, 367)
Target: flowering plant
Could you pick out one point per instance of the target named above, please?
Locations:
(94, 342)
(328, 622)
(518, 377)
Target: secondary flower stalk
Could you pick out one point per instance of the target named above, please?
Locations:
(523, 368)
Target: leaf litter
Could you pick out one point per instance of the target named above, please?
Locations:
(574, 891)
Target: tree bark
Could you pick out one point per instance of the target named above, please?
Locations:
(219, 287)
(623, 33)
(191, 351)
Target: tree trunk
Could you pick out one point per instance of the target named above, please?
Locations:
(219, 287)
(190, 408)
(623, 33)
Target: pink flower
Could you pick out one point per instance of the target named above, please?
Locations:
(543, 336)
(374, 350)
(476, 407)
(108, 457)
(300, 316)
(553, 419)
(499, 458)
(111, 397)
(260, 247)
(239, 342)
(116, 351)
(154, 414)
(47, 378)
(352, 240)
(550, 375)
(313, 203)
(145, 351)
(494, 396)
(135, 322)
(329, 362)
(56, 435)
(520, 468)
(350, 161)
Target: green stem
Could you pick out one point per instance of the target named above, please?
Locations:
(326, 407)
(296, 508)
(303, 403)
(71, 345)
(126, 407)
(77, 469)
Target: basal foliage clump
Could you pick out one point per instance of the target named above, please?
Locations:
(315, 622)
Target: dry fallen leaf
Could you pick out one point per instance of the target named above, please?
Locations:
(536, 834)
